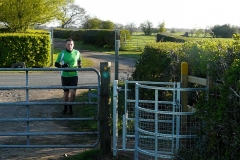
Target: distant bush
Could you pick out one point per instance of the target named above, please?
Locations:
(97, 37)
(169, 38)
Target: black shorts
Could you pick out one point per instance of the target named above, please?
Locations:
(69, 81)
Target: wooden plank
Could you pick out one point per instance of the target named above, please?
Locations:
(197, 80)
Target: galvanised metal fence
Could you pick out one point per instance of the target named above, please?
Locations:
(161, 126)
(157, 127)
(23, 127)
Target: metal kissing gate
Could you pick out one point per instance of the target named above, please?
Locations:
(154, 126)
(30, 124)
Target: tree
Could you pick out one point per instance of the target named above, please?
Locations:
(107, 25)
(224, 31)
(19, 15)
(208, 32)
(131, 27)
(162, 28)
(72, 14)
(85, 24)
(146, 27)
(172, 30)
(94, 23)
(118, 26)
(192, 32)
(199, 32)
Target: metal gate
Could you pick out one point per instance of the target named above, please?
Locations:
(25, 128)
(154, 127)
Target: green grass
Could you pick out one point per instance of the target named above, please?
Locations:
(131, 49)
(84, 111)
(95, 154)
(92, 154)
(90, 111)
(130, 54)
(137, 42)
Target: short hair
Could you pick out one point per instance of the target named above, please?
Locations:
(69, 39)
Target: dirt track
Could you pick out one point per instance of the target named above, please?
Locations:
(126, 67)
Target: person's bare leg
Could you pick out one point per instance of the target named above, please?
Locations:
(72, 98)
(72, 95)
(65, 96)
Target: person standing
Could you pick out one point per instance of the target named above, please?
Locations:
(69, 58)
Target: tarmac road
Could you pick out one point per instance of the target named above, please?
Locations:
(50, 78)
(43, 79)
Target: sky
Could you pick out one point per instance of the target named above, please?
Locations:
(174, 13)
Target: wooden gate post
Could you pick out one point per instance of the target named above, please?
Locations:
(104, 108)
(184, 96)
(184, 84)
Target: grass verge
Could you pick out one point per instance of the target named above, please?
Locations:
(90, 111)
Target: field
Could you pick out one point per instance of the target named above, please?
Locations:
(134, 46)
(137, 42)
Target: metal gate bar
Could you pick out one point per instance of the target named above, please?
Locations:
(28, 104)
(163, 138)
(129, 135)
(165, 122)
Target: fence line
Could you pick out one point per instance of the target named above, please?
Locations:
(27, 105)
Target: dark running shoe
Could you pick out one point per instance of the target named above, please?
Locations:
(64, 112)
(70, 109)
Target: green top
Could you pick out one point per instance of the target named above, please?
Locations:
(71, 59)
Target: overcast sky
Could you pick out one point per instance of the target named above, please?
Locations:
(175, 13)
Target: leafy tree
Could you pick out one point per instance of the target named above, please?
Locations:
(19, 15)
(162, 28)
(208, 32)
(107, 25)
(192, 31)
(131, 27)
(199, 32)
(118, 26)
(85, 23)
(92, 23)
(172, 30)
(95, 23)
(236, 37)
(224, 31)
(147, 27)
(72, 14)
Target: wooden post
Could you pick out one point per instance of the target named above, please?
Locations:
(184, 84)
(209, 82)
(184, 97)
(104, 110)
